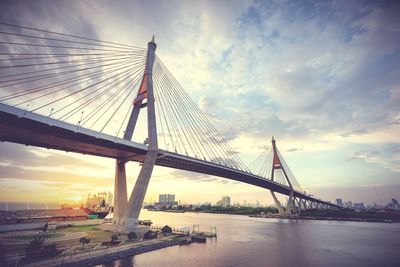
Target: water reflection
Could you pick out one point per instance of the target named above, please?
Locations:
(125, 262)
(244, 241)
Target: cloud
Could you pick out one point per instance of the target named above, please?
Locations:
(18, 155)
(12, 172)
(318, 75)
(294, 149)
(387, 157)
(197, 177)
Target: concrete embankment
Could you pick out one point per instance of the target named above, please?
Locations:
(102, 256)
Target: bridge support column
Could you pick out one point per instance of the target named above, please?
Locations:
(120, 191)
(139, 191)
(281, 212)
(298, 205)
(290, 205)
(304, 204)
(131, 216)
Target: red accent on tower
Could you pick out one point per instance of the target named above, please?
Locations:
(142, 94)
(277, 162)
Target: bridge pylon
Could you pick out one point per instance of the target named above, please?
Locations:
(277, 165)
(126, 211)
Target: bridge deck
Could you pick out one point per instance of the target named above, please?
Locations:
(19, 126)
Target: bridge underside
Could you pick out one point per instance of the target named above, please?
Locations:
(36, 130)
(19, 126)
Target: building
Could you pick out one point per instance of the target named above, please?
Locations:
(96, 200)
(348, 204)
(167, 199)
(41, 216)
(395, 203)
(358, 206)
(98, 203)
(224, 202)
(339, 202)
(6, 206)
(110, 199)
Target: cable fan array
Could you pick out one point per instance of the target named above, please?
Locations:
(183, 128)
(91, 83)
(79, 80)
(262, 166)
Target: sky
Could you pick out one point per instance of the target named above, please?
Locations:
(322, 77)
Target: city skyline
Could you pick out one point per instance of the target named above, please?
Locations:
(325, 86)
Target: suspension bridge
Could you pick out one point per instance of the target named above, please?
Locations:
(84, 95)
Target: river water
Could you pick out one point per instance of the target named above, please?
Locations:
(245, 241)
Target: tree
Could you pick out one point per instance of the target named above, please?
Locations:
(34, 246)
(132, 236)
(50, 250)
(114, 238)
(84, 241)
(150, 235)
(166, 230)
(2, 255)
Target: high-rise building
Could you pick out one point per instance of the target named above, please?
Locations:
(166, 199)
(225, 201)
(348, 204)
(339, 202)
(171, 199)
(395, 203)
(110, 199)
(358, 206)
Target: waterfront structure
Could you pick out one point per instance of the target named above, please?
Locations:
(195, 145)
(97, 200)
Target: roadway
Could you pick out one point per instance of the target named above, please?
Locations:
(22, 127)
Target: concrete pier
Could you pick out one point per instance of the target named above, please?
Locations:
(120, 192)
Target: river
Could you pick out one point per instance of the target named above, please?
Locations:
(245, 241)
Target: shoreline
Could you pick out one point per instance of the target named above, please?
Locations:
(300, 217)
(104, 256)
(316, 218)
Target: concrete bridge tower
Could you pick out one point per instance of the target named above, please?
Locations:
(126, 212)
(277, 165)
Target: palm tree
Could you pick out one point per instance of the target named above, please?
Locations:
(50, 250)
(34, 246)
(166, 230)
(84, 241)
(132, 236)
(114, 238)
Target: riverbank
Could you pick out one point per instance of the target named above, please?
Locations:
(110, 254)
(217, 210)
(348, 219)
